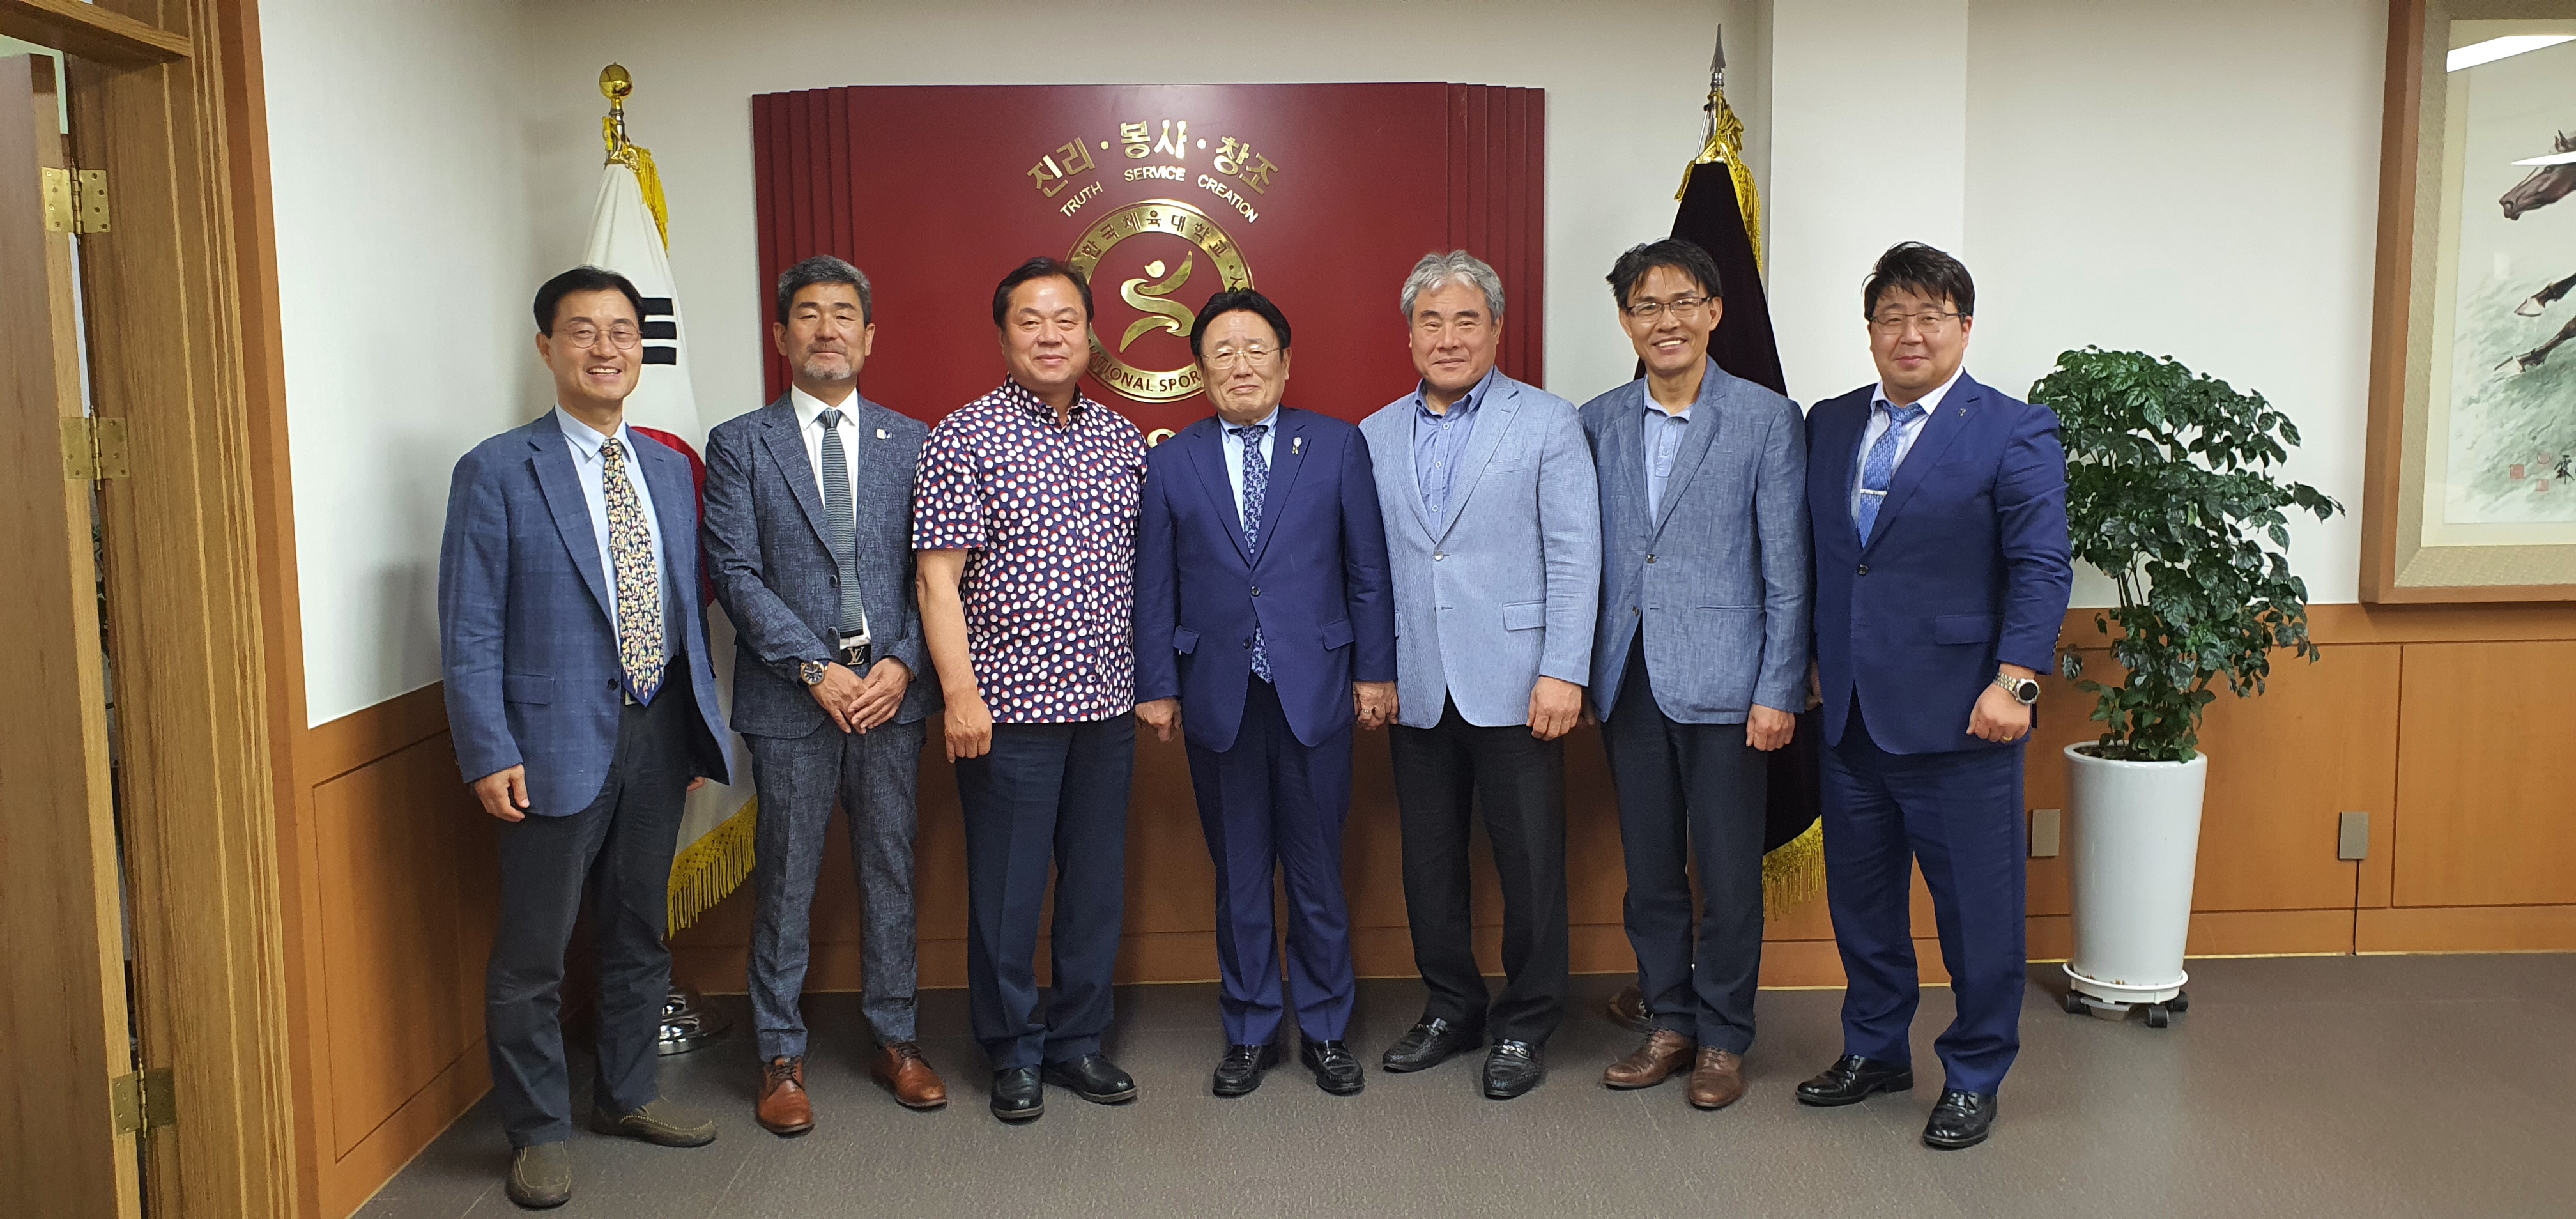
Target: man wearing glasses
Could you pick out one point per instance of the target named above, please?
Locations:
(1262, 610)
(1493, 529)
(1938, 511)
(1699, 659)
(583, 710)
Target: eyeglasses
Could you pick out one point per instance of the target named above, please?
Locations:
(1683, 308)
(1895, 323)
(1227, 357)
(622, 336)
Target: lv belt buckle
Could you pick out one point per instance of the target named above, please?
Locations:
(854, 655)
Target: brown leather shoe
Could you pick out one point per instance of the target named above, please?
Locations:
(904, 1072)
(784, 1108)
(1627, 1009)
(1663, 1053)
(1718, 1079)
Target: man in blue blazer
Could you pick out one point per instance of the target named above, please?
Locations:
(1699, 661)
(1262, 611)
(1493, 528)
(583, 709)
(1938, 507)
(809, 541)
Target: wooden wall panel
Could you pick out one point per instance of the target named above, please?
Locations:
(2485, 813)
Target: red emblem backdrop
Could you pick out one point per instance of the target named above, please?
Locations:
(1321, 196)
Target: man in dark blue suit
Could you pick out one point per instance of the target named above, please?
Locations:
(1938, 508)
(583, 709)
(1263, 608)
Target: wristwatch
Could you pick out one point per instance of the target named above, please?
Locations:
(2024, 689)
(812, 671)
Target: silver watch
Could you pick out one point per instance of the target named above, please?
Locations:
(2023, 689)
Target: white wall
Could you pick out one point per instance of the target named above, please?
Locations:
(2193, 178)
(405, 265)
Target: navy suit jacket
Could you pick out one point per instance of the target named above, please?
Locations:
(1317, 583)
(533, 675)
(774, 575)
(1968, 566)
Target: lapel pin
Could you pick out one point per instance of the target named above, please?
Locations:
(881, 434)
(1297, 445)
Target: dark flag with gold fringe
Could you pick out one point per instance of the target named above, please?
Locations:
(1721, 212)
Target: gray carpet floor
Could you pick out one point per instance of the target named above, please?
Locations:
(2334, 1086)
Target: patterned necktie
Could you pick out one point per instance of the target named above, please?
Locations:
(1256, 485)
(639, 584)
(1879, 468)
(841, 526)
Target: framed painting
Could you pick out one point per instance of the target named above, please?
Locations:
(2472, 450)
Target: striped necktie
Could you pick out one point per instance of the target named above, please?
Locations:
(1879, 468)
(1256, 488)
(841, 527)
(639, 582)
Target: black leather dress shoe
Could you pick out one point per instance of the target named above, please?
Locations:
(1336, 1069)
(1962, 1119)
(1512, 1068)
(1240, 1071)
(1017, 1096)
(1852, 1079)
(1093, 1078)
(1428, 1044)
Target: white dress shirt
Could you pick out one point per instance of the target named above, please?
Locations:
(1233, 441)
(1880, 416)
(591, 467)
(809, 427)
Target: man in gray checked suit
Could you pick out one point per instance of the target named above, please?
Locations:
(809, 538)
(1493, 534)
(1699, 662)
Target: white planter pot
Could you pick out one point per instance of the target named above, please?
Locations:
(2135, 837)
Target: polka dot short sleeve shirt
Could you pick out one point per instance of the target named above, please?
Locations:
(1047, 515)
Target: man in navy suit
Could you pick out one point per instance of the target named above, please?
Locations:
(583, 710)
(1262, 607)
(1938, 508)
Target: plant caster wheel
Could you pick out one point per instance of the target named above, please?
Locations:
(2158, 1016)
(2073, 1003)
(2181, 1002)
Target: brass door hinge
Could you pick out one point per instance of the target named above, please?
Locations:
(75, 200)
(93, 448)
(143, 1100)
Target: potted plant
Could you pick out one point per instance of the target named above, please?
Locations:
(2170, 491)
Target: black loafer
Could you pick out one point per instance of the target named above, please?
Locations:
(1093, 1078)
(1017, 1096)
(1428, 1044)
(1961, 1119)
(1512, 1068)
(1336, 1069)
(1240, 1071)
(1852, 1079)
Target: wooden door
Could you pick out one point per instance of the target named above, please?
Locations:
(63, 1012)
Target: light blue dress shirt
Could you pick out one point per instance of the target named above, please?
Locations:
(1664, 431)
(1232, 439)
(1440, 443)
(1880, 415)
(591, 467)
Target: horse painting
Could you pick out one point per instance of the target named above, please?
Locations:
(2546, 184)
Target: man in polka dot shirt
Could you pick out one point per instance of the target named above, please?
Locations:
(1025, 520)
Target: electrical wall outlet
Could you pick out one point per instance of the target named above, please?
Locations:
(2043, 833)
(2352, 836)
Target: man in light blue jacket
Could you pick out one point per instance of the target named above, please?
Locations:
(1494, 538)
(1699, 663)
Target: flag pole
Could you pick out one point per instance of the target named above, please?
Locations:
(1724, 145)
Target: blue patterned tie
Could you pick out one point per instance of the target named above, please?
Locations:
(1879, 468)
(1256, 484)
(841, 527)
(639, 584)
